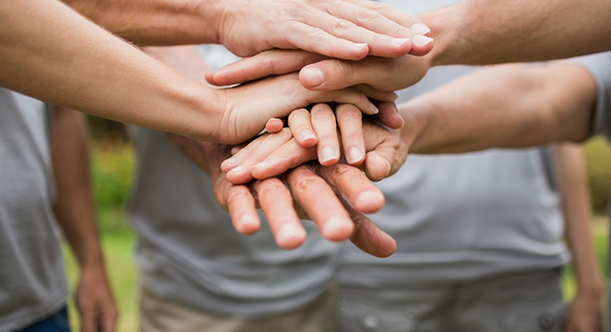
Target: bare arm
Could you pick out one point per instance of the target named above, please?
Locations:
(585, 313)
(504, 106)
(487, 31)
(75, 213)
(338, 28)
(60, 57)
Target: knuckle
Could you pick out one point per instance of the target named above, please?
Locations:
(340, 25)
(365, 16)
(349, 114)
(271, 187)
(304, 182)
(340, 171)
(379, 6)
(237, 194)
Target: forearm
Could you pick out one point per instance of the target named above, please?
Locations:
(571, 173)
(510, 106)
(477, 32)
(74, 206)
(155, 22)
(52, 53)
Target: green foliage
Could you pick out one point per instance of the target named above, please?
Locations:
(598, 159)
(113, 172)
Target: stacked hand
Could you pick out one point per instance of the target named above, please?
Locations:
(302, 160)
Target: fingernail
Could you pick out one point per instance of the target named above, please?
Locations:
(327, 154)
(307, 135)
(388, 167)
(247, 224)
(236, 170)
(420, 40)
(354, 155)
(399, 41)
(335, 225)
(289, 232)
(374, 109)
(313, 76)
(359, 47)
(420, 29)
(366, 198)
(262, 164)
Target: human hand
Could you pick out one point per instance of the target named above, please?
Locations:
(273, 154)
(321, 74)
(585, 313)
(344, 29)
(94, 300)
(306, 193)
(311, 196)
(249, 107)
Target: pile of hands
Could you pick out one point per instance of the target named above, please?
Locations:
(331, 125)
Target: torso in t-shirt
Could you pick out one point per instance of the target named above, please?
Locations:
(32, 282)
(462, 217)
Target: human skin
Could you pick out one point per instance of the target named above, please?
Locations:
(345, 29)
(507, 106)
(585, 311)
(74, 211)
(144, 92)
(471, 32)
(308, 192)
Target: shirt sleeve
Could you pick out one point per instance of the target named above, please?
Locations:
(599, 66)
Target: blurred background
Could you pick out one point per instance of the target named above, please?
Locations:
(112, 163)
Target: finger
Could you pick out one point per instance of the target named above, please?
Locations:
(235, 150)
(406, 21)
(88, 318)
(367, 236)
(277, 204)
(377, 167)
(346, 22)
(242, 173)
(354, 186)
(274, 125)
(349, 120)
(239, 153)
(320, 203)
(389, 116)
(325, 127)
(300, 124)
(378, 95)
(273, 62)
(241, 206)
(290, 155)
(316, 40)
(108, 321)
(336, 74)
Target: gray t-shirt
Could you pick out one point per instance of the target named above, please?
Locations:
(189, 253)
(32, 282)
(459, 217)
(599, 66)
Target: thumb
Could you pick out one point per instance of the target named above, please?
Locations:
(268, 63)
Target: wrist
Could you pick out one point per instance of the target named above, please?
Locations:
(94, 259)
(415, 117)
(207, 109)
(446, 25)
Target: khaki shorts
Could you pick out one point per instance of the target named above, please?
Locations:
(160, 315)
(527, 302)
